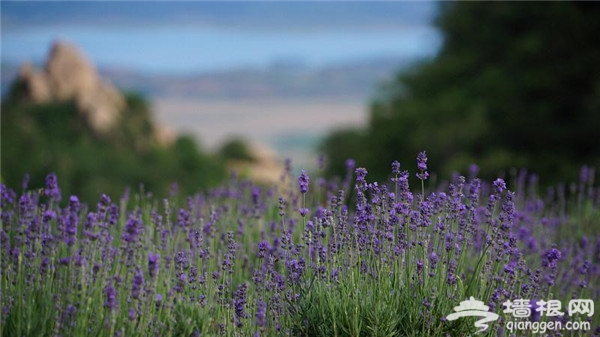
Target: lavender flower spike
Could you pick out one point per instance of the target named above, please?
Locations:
(396, 167)
(136, 285)
(153, 264)
(422, 166)
(303, 181)
(361, 174)
(422, 161)
(111, 297)
(52, 189)
(499, 185)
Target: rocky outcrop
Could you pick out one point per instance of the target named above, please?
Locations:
(68, 75)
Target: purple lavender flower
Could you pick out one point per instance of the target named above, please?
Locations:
(105, 201)
(90, 222)
(114, 214)
(499, 186)
(422, 161)
(304, 211)
(158, 300)
(103, 207)
(508, 211)
(433, 259)
(261, 314)
(551, 257)
(136, 284)
(181, 282)
(64, 261)
(510, 268)
(451, 276)
(350, 164)
(584, 269)
(255, 195)
(131, 314)
(263, 249)
(183, 218)
(396, 167)
(111, 297)
(282, 204)
(132, 229)
(202, 300)
(80, 259)
(48, 216)
(8, 196)
(153, 264)
(239, 304)
(72, 221)
(303, 181)
(361, 174)
(181, 260)
(52, 189)
(419, 266)
(44, 265)
(473, 171)
(422, 166)
(296, 267)
(451, 279)
(69, 314)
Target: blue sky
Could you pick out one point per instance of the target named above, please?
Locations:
(193, 37)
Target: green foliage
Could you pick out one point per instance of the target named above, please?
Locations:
(343, 144)
(377, 307)
(54, 137)
(514, 85)
(236, 149)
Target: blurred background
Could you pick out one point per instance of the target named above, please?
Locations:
(115, 94)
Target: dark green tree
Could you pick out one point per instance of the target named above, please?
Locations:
(514, 85)
(236, 149)
(41, 138)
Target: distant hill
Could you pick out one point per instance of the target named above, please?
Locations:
(358, 79)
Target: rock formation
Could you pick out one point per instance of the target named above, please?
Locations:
(68, 75)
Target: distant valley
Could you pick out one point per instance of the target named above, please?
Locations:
(283, 79)
(287, 107)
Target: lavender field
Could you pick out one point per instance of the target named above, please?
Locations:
(307, 257)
